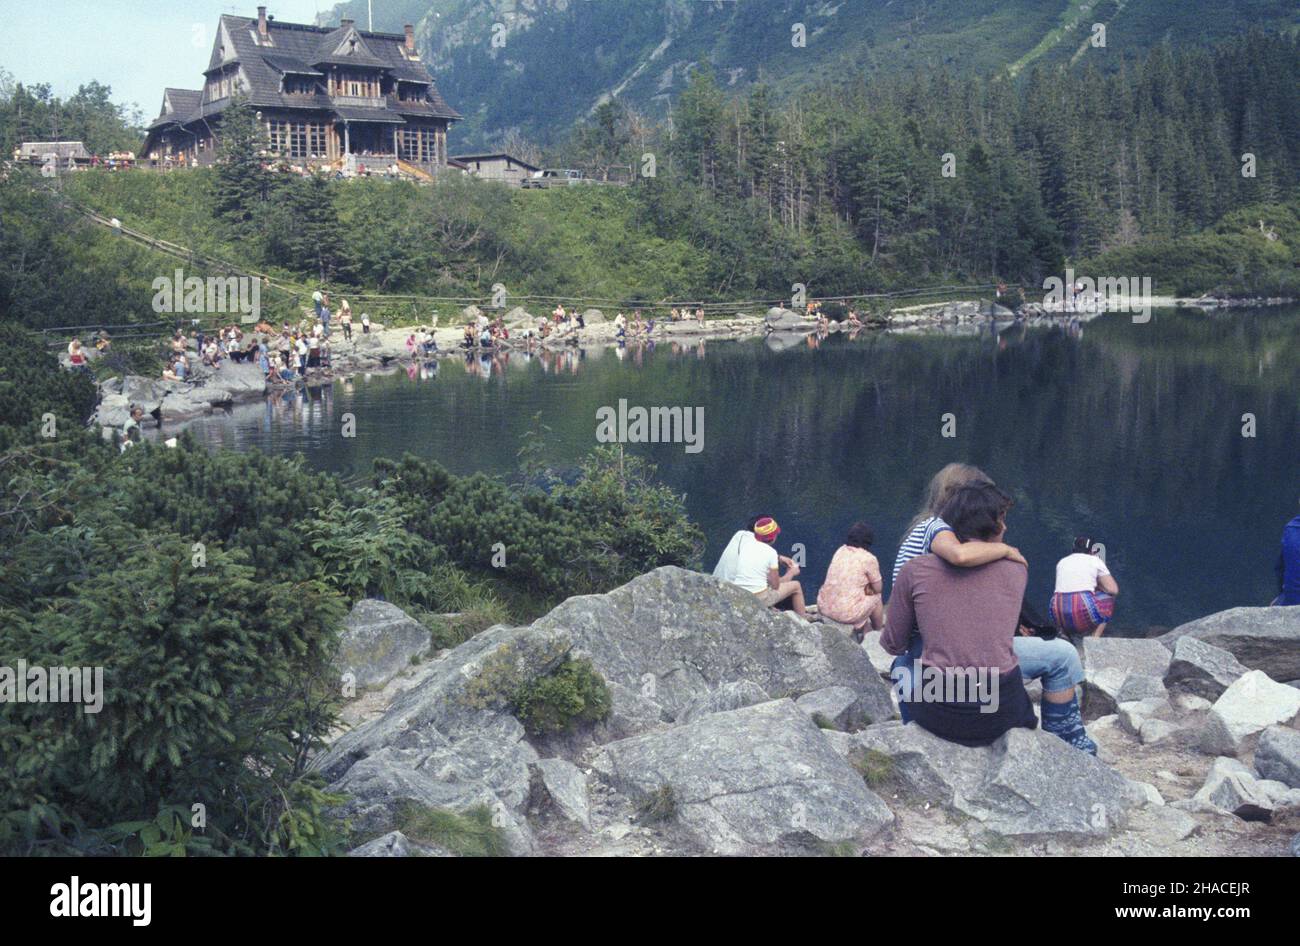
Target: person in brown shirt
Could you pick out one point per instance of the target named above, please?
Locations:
(969, 687)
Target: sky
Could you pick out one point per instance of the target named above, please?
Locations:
(138, 47)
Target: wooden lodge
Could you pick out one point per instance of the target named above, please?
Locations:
(339, 97)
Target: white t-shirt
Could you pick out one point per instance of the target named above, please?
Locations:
(1079, 571)
(747, 561)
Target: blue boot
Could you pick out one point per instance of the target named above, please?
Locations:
(1064, 720)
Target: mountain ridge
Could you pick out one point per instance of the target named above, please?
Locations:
(538, 66)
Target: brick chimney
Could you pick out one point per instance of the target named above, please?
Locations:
(410, 39)
(261, 22)
(346, 23)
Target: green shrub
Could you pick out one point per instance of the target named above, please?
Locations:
(573, 693)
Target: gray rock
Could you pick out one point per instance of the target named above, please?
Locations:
(1231, 787)
(1294, 846)
(380, 786)
(449, 740)
(1202, 669)
(841, 707)
(1119, 670)
(566, 787)
(1154, 731)
(1134, 713)
(1265, 639)
(378, 641)
(1164, 824)
(674, 635)
(1102, 688)
(1277, 756)
(881, 659)
(1028, 783)
(1245, 710)
(630, 714)
(1190, 702)
(753, 779)
(396, 844)
(785, 320)
(593, 317)
(729, 696)
(465, 695)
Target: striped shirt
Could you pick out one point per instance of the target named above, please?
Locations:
(918, 542)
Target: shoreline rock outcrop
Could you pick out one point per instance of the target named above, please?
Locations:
(735, 729)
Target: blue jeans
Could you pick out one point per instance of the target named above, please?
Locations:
(1054, 661)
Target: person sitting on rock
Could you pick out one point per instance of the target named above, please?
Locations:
(1288, 566)
(750, 561)
(851, 593)
(970, 649)
(929, 533)
(1084, 600)
(179, 370)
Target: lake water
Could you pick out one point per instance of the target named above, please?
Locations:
(1130, 433)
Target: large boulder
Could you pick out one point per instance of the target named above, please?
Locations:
(593, 317)
(1231, 787)
(1121, 670)
(757, 779)
(1029, 783)
(1265, 639)
(564, 785)
(378, 641)
(674, 635)
(1201, 668)
(465, 696)
(786, 320)
(1277, 757)
(450, 741)
(1248, 707)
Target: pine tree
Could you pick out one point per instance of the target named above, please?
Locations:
(242, 183)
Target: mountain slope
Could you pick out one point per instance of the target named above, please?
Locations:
(539, 65)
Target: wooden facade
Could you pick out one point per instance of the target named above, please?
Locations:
(335, 97)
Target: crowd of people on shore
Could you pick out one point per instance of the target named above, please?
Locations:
(957, 605)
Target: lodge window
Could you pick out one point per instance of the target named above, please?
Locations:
(297, 139)
(410, 92)
(418, 144)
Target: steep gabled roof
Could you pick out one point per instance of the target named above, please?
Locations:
(345, 47)
(295, 46)
(178, 106)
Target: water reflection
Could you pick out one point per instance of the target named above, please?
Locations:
(1130, 433)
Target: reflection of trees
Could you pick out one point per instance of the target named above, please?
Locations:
(1132, 434)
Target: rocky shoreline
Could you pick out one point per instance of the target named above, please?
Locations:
(384, 349)
(734, 729)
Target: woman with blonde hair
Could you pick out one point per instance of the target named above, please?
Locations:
(929, 533)
(1054, 662)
